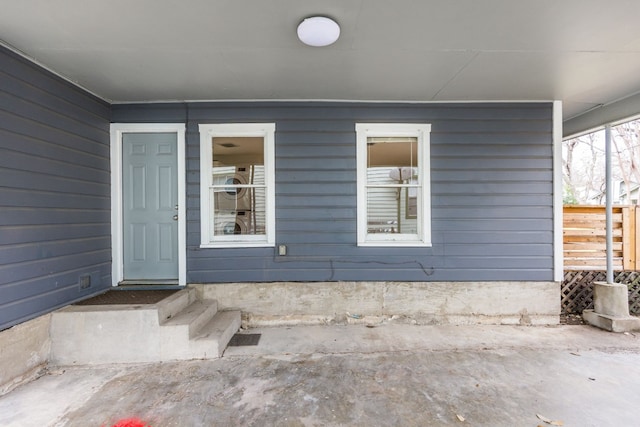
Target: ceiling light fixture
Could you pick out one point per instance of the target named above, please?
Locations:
(318, 31)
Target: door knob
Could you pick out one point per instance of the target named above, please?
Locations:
(175, 217)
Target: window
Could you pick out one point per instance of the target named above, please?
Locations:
(394, 207)
(237, 185)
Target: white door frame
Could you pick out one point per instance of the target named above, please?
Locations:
(117, 240)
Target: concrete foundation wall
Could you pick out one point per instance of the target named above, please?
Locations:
(24, 352)
(292, 303)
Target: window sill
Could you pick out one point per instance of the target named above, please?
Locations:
(396, 244)
(236, 245)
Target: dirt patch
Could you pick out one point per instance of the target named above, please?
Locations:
(571, 319)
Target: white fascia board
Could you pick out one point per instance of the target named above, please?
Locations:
(558, 257)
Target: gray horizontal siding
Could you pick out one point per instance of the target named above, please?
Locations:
(491, 178)
(54, 191)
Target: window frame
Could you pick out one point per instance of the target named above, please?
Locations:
(421, 131)
(207, 133)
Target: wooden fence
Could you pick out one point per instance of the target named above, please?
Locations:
(584, 234)
(584, 247)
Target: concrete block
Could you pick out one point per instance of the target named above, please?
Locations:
(611, 299)
(24, 352)
(611, 323)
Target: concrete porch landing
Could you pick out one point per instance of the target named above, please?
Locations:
(179, 327)
(357, 376)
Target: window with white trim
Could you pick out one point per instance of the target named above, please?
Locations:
(237, 198)
(394, 200)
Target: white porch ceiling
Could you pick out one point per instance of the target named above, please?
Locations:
(583, 52)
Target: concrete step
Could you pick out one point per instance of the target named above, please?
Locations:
(172, 305)
(193, 317)
(214, 337)
(181, 327)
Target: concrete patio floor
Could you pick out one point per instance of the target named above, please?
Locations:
(388, 375)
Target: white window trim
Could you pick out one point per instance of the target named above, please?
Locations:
(117, 222)
(422, 133)
(208, 131)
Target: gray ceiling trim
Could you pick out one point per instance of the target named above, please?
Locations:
(598, 117)
(336, 101)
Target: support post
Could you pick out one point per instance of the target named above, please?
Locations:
(611, 300)
(609, 203)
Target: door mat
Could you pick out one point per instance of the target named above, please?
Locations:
(241, 340)
(128, 297)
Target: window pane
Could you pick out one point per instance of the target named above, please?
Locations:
(392, 161)
(239, 211)
(230, 177)
(238, 161)
(396, 159)
(390, 211)
(382, 210)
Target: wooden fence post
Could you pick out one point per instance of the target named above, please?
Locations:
(630, 245)
(636, 246)
(626, 238)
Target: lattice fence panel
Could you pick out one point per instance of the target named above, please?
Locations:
(634, 297)
(577, 289)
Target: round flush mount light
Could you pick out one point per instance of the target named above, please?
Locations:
(318, 31)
